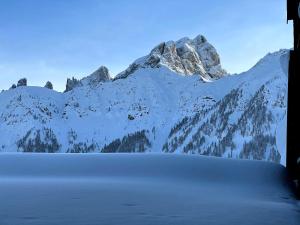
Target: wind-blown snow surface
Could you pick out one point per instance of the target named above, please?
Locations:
(156, 109)
(141, 189)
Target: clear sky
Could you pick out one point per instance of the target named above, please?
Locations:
(55, 39)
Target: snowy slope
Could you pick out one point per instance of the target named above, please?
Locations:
(248, 122)
(141, 189)
(157, 108)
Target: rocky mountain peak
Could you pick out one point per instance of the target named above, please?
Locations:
(99, 76)
(185, 56)
(22, 82)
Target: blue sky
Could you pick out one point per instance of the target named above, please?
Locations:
(55, 39)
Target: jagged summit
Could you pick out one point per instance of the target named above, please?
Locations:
(99, 76)
(185, 56)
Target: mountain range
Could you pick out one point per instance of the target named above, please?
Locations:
(176, 99)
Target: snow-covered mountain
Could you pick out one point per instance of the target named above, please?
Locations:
(177, 99)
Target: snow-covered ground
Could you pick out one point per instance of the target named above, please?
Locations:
(137, 189)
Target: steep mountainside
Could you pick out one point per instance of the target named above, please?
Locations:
(171, 100)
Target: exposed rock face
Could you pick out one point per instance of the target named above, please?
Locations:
(22, 82)
(13, 86)
(49, 85)
(99, 76)
(186, 56)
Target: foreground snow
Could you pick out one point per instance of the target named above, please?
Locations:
(39, 189)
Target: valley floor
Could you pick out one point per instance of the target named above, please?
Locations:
(90, 189)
